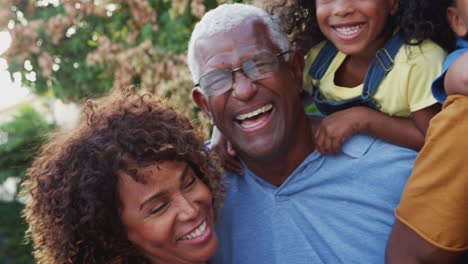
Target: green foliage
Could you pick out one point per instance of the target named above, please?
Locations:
(312, 109)
(71, 35)
(22, 136)
(13, 248)
(19, 140)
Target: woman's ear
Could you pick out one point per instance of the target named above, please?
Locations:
(456, 22)
(200, 100)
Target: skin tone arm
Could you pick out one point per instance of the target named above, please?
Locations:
(406, 246)
(339, 126)
(225, 152)
(456, 78)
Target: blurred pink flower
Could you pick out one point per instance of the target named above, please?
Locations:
(57, 26)
(45, 63)
(142, 12)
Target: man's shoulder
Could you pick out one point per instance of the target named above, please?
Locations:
(364, 146)
(360, 150)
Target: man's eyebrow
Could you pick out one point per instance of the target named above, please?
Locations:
(155, 196)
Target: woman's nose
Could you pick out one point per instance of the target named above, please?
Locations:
(188, 209)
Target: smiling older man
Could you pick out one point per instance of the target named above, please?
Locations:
(292, 205)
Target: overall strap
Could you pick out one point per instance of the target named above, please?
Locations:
(381, 66)
(323, 60)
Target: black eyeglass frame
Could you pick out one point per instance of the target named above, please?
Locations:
(197, 85)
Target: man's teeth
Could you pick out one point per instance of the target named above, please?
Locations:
(260, 110)
(196, 232)
(348, 30)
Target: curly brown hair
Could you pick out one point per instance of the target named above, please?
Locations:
(73, 207)
(417, 20)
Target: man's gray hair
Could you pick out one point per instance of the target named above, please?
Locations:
(226, 17)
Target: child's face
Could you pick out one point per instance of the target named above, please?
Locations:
(355, 26)
(458, 17)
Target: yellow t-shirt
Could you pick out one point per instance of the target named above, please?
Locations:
(405, 89)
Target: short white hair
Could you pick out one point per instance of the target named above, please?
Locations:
(226, 17)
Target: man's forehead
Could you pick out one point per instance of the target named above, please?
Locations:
(245, 38)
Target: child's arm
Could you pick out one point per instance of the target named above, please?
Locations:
(406, 246)
(339, 126)
(456, 78)
(225, 151)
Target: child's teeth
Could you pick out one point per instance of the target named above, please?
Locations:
(348, 30)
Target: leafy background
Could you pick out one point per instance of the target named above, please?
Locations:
(78, 49)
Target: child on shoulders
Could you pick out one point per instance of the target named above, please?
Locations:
(363, 38)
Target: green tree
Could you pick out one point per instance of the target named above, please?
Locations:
(13, 248)
(20, 139)
(82, 48)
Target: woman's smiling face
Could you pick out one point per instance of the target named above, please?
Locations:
(169, 213)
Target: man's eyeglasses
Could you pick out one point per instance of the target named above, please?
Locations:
(258, 67)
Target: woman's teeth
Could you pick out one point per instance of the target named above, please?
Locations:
(196, 232)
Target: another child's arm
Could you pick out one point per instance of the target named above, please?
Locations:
(456, 78)
(432, 226)
(225, 151)
(406, 246)
(339, 126)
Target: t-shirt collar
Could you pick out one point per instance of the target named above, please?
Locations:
(357, 145)
(462, 42)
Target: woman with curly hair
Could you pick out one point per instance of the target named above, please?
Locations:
(132, 183)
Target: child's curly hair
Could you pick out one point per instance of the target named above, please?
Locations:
(417, 20)
(73, 207)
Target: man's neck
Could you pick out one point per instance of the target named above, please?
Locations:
(277, 168)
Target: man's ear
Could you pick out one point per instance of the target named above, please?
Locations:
(394, 7)
(297, 64)
(456, 22)
(200, 100)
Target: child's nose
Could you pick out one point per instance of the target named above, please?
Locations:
(343, 7)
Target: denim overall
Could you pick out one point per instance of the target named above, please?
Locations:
(380, 66)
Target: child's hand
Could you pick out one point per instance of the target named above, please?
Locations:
(336, 128)
(225, 152)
